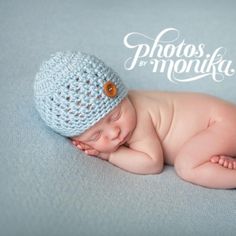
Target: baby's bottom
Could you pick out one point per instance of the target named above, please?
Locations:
(193, 163)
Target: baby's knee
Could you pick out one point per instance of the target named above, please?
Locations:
(183, 170)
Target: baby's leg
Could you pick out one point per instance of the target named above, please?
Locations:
(225, 161)
(193, 161)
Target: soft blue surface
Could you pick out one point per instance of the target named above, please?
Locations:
(47, 187)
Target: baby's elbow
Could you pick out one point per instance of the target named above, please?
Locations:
(159, 170)
(157, 162)
(158, 167)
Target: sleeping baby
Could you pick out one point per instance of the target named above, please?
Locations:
(80, 97)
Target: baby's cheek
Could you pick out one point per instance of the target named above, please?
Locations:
(128, 121)
(103, 145)
(100, 144)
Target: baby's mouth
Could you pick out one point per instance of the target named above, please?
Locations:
(124, 139)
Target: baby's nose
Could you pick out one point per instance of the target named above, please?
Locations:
(114, 132)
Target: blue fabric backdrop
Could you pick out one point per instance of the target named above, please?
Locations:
(47, 187)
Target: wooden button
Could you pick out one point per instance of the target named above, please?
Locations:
(110, 89)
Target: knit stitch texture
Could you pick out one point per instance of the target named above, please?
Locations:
(69, 92)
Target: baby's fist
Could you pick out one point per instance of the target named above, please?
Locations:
(90, 151)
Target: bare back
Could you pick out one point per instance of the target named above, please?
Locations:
(177, 117)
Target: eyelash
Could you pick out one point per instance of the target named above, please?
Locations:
(96, 136)
(115, 116)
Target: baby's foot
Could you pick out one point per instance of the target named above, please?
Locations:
(225, 161)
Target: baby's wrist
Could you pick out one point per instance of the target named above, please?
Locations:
(109, 156)
(104, 156)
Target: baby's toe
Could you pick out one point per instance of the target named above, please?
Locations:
(215, 159)
(230, 166)
(234, 164)
(221, 162)
(226, 163)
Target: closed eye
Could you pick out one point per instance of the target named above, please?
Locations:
(115, 116)
(95, 136)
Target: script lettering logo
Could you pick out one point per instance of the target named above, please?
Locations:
(174, 58)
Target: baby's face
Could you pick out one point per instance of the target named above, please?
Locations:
(113, 130)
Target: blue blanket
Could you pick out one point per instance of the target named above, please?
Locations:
(47, 187)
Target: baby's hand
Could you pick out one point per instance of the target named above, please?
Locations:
(90, 151)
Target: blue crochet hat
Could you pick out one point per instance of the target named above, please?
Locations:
(74, 90)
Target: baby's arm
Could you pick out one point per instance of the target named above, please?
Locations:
(145, 157)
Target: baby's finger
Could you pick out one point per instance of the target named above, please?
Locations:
(91, 152)
(78, 146)
(85, 146)
(73, 142)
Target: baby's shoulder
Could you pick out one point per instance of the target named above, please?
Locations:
(152, 102)
(147, 110)
(141, 102)
(144, 98)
